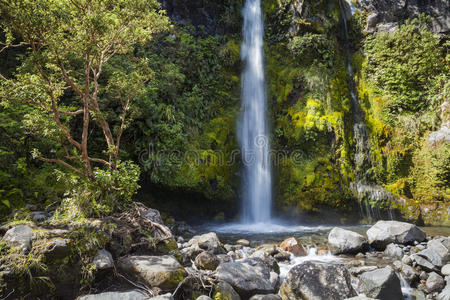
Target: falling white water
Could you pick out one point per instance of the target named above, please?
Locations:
(253, 128)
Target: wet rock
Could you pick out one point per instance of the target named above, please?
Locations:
(207, 261)
(394, 251)
(157, 271)
(293, 246)
(385, 232)
(275, 280)
(103, 260)
(248, 277)
(434, 283)
(224, 291)
(127, 295)
(209, 242)
(266, 297)
(315, 280)
(381, 284)
(346, 241)
(243, 242)
(19, 236)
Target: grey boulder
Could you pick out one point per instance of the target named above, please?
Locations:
(385, 232)
(224, 290)
(434, 283)
(209, 242)
(394, 251)
(317, 280)
(103, 260)
(248, 277)
(381, 284)
(126, 295)
(346, 241)
(20, 236)
(266, 297)
(207, 261)
(164, 272)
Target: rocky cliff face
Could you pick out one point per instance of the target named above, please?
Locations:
(386, 15)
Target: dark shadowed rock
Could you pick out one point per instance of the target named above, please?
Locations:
(248, 277)
(385, 232)
(316, 280)
(381, 284)
(346, 241)
(157, 271)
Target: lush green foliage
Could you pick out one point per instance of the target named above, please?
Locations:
(405, 65)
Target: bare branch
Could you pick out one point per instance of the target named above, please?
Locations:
(61, 162)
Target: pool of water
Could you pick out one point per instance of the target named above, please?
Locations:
(275, 232)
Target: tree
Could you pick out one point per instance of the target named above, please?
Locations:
(69, 45)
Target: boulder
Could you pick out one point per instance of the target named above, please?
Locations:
(243, 242)
(248, 277)
(266, 297)
(316, 280)
(445, 294)
(360, 298)
(103, 260)
(269, 260)
(207, 261)
(381, 284)
(293, 246)
(209, 242)
(203, 297)
(410, 274)
(224, 291)
(157, 271)
(167, 296)
(346, 241)
(19, 236)
(355, 271)
(423, 262)
(385, 232)
(445, 270)
(126, 295)
(434, 283)
(152, 215)
(442, 248)
(394, 251)
(54, 248)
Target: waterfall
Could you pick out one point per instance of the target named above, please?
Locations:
(253, 128)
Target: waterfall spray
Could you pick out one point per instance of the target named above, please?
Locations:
(253, 128)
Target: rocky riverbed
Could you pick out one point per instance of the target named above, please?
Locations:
(135, 255)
